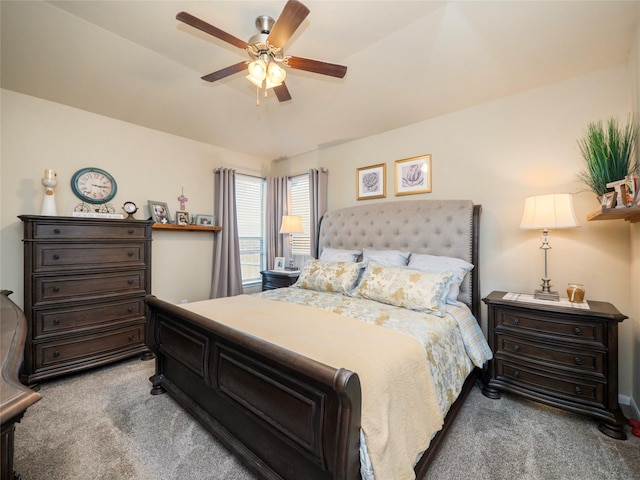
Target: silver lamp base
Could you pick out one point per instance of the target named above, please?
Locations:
(540, 295)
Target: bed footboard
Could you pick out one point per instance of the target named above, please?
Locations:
(284, 415)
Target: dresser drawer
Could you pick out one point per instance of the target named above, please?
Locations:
(86, 287)
(70, 350)
(551, 383)
(77, 318)
(560, 356)
(61, 257)
(86, 230)
(557, 327)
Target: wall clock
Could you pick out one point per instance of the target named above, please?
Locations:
(93, 185)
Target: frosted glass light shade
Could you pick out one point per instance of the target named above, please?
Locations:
(550, 211)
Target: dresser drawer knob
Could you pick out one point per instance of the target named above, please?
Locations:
(56, 230)
(578, 391)
(578, 360)
(130, 282)
(516, 321)
(56, 257)
(130, 309)
(516, 374)
(577, 331)
(55, 289)
(130, 232)
(130, 254)
(56, 354)
(516, 348)
(131, 338)
(56, 321)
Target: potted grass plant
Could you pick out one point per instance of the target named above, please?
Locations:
(608, 151)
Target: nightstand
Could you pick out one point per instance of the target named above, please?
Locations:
(272, 279)
(565, 357)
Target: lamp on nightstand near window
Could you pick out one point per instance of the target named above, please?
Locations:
(291, 224)
(548, 212)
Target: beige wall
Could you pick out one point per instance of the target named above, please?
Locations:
(147, 165)
(498, 153)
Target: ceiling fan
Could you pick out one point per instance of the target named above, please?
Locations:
(266, 51)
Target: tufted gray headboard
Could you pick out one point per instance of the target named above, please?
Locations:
(436, 227)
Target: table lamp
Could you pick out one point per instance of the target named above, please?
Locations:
(291, 224)
(548, 212)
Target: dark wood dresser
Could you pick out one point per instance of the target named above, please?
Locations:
(85, 280)
(562, 356)
(272, 279)
(15, 398)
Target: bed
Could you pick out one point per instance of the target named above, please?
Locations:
(285, 404)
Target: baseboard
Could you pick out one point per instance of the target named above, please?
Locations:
(626, 400)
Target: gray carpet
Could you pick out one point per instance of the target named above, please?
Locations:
(104, 424)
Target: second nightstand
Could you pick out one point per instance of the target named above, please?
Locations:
(272, 279)
(562, 356)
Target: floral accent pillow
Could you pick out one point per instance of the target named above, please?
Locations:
(338, 277)
(436, 263)
(403, 287)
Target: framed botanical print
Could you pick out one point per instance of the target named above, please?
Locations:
(413, 175)
(371, 182)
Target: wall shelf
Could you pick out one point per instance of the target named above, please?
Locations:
(188, 228)
(631, 214)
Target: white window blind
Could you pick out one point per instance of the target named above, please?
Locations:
(300, 205)
(250, 208)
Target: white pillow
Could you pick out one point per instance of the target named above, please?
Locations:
(441, 264)
(389, 258)
(339, 255)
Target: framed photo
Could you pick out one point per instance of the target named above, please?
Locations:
(204, 220)
(279, 264)
(159, 212)
(371, 182)
(182, 217)
(609, 199)
(413, 175)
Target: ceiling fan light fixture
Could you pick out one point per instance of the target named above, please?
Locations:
(257, 71)
(275, 75)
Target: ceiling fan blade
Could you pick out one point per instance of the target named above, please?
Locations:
(316, 66)
(282, 92)
(211, 30)
(293, 14)
(225, 72)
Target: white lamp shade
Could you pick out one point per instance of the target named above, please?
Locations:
(551, 211)
(291, 224)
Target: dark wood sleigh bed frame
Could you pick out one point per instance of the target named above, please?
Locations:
(284, 415)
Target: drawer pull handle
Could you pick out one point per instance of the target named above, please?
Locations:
(56, 354)
(516, 373)
(578, 360)
(577, 331)
(130, 309)
(130, 282)
(131, 338)
(56, 230)
(130, 254)
(55, 289)
(56, 321)
(578, 391)
(56, 257)
(516, 321)
(130, 231)
(516, 348)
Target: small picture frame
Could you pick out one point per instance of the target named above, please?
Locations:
(182, 217)
(279, 264)
(371, 182)
(413, 175)
(205, 220)
(609, 200)
(159, 212)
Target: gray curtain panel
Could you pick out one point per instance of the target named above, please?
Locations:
(277, 205)
(318, 200)
(226, 277)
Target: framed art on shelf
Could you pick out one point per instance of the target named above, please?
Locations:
(279, 264)
(413, 175)
(609, 199)
(371, 182)
(182, 217)
(204, 220)
(159, 212)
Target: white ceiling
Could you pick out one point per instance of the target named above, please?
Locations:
(407, 61)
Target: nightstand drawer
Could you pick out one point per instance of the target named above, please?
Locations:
(551, 383)
(554, 355)
(556, 326)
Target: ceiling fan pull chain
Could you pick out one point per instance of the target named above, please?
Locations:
(257, 96)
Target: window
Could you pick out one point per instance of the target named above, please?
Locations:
(250, 214)
(300, 205)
